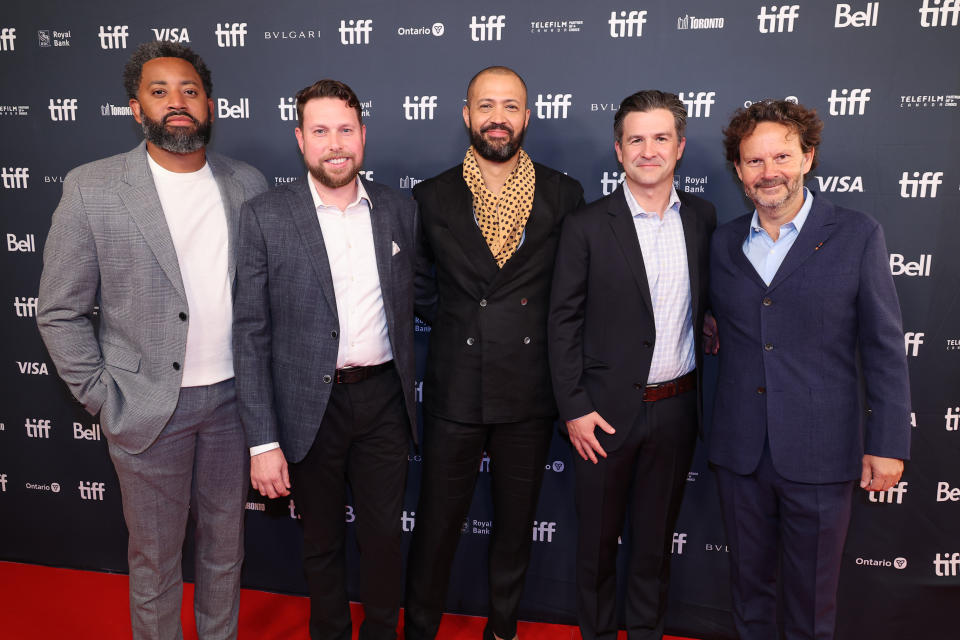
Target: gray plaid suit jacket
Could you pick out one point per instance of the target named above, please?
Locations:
(109, 244)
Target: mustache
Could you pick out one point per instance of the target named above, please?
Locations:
(495, 126)
(770, 182)
(179, 114)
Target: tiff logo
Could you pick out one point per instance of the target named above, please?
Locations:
(610, 181)
(912, 342)
(91, 490)
(892, 495)
(698, 104)
(946, 564)
(937, 13)
(8, 38)
(778, 18)
(63, 109)
(555, 105)
(3, 482)
(231, 34)
(113, 37)
(486, 28)
(25, 307)
(543, 531)
(679, 539)
(953, 419)
(419, 107)
(852, 105)
(913, 187)
(288, 109)
(408, 521)
(15, 177)
(355, 31)
(38, 428)
(623, 26)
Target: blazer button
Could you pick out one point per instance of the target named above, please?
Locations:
(767, 302)
(526, 339)
(182, 315)
(768, 347)
(483, 302)
(523, 302)
(647, 344)
(333, 334)
(761, 390)
(327, 379)
(176, 366)
(470, 342)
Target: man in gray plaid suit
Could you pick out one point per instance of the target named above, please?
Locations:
(150, 236)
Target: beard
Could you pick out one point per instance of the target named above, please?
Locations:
(753, 192)
(497, 151)
(320, 173)
(177, 139)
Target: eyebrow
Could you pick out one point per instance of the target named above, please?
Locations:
(183, 82)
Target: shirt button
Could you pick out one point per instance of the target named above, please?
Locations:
(176, 366)
(483, 302)
(767, 302)
(470, 342)
(526, 339)
(333, 334)
(182, 315)
(761, 390)
(327, 379)
(523, 302)
(768, 347)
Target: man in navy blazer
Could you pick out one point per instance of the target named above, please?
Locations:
(323, 342)
(808, 316)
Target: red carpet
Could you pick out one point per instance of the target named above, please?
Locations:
(41, 603)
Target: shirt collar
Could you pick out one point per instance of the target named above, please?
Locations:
(637, 210)
(361, 194)
(796, 223)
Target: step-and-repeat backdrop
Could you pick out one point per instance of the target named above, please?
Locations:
(884, 76)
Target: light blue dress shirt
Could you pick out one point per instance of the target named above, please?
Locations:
(765, 254)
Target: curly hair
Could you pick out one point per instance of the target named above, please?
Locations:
(327, 88)
(147, 51)
(804, 122)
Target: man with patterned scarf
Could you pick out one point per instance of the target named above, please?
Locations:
(489, 234)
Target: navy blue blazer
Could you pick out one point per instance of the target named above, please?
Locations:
(815, 361)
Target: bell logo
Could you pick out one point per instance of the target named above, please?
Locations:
(698, 104)
(778, 19)
(912, 342)
(33, 368)
(408, 521)
(946, 494)
(953, 419)
(80, 433)
(231, 34)
(419, 107)
(845, 18)
(543, 531)
(63, 109)
(113, 37)
(916, 186)
(628, 24)
(940, 13)
(946, 564)
(899, 267)
(38, 428)
(92, 490)
(610, 181)
(355, 31)
(8, 38)
(892, 495)
(239, 110)
(840, 184)
(487, 28)
(25, 307)
(848, 105)
(14, 177)
(679, 539)
(171, 34)
(555, 105)
(288, 109)
(27, 245)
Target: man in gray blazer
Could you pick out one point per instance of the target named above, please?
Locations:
(150, 236)
(323, 343)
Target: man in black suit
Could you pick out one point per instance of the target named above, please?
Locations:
(489, 232)
(628, 299)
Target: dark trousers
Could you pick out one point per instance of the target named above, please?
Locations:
(452, 452)
(362, 439)
(772, 522)
(643, 478)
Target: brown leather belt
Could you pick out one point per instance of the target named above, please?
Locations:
(670, 388)
(350, 375)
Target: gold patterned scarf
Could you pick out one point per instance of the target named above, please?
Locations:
(501, 218)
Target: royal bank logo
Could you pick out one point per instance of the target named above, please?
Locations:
(113, 37)
(409, 182)
(952, 417)
(37, 428)
(14, 110)
(778, 19)
(931, 101)
(945, 564)
(610, 181)
(240, 110)
(292, 34)
(840, 184)
(543, 531)
(8, 38)
(900, 266)
(920, 185)
(679, 540)
(846, 17)
(419, 107)
(896, 563)
(288, 109)
(849, 102)
(692, 22)
(627, 24)
(556, 26)
(940, 13)
(63, 109)
(27, 245)
(418, 325)
(355, 31)
(553, 106)
(231, 34)
(366, 108)
(80, 432)
(557, 466)
(25, 307)
(893, 495)
(487, 28)
(436, 30)
(32, 368)
(14, 177)
(51, 38)
(113, 110)
(698, 103)
(691, 184)
(947, 494)
(92, 490)
(171, 34)
(911, 343)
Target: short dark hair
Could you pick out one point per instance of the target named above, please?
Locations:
(498, 70)
(648, 100)
(147, 51)
(799, 119)
(328, 88)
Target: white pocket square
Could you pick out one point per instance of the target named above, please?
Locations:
(396, 249)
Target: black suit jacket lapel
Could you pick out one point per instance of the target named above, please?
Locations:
(739, 258)
(462, 224)
(539, 225)
(816, 229)
(304, 216)
(625, 232)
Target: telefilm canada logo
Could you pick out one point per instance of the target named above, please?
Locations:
(933, 101)
(52, 38)
(687, 21)
(556, 25)
(14, 110)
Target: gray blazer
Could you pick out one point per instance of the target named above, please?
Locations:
(286, 323)
(109, 245)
